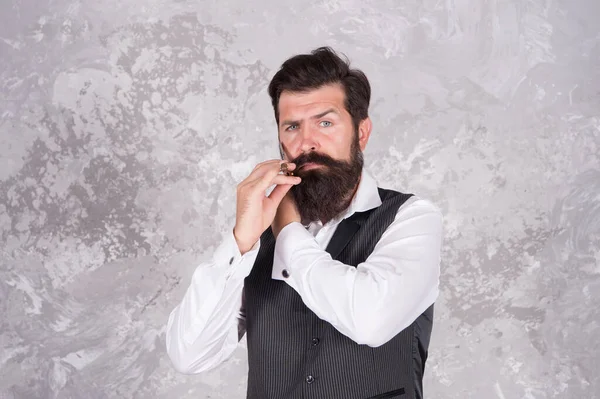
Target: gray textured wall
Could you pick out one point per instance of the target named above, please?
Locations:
(125, 126)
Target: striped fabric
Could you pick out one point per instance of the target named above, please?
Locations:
(292, 354)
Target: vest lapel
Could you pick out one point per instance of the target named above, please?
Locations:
(342, 236)
(344, 233)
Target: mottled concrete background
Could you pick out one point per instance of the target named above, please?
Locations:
(125, 126)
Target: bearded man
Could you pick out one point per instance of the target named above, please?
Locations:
(331, 278)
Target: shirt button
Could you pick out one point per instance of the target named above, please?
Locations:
(231, 260)
(285, 273)
(315, 341)
(310, 379)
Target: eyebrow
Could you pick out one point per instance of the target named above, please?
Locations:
(317, 116)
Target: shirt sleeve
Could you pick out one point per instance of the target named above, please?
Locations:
(203, 330)
(377, 299)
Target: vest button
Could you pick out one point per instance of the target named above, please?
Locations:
(310, 379)
(315, 341)
(285, 273)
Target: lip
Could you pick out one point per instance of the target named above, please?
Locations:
(310, 165)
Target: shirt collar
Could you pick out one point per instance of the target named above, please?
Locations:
(366, 198)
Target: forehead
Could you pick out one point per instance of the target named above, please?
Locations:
(297, 104)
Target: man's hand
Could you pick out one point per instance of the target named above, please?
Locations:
(286, 214)
(255, 211)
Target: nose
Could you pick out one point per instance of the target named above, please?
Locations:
(309, 140)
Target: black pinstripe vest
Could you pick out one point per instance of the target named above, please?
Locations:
(293, 354)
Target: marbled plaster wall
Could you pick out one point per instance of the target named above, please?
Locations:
(125, 126)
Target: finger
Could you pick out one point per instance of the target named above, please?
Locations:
(268, 167)
(271, 176)
(267, 163)
(287, 167)
(278, 193)
(284, 179)
(259, 171)
(258, 188)
(274, 177)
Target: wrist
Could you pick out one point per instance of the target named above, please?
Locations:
(243, 245)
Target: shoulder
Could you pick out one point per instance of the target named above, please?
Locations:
(416, 219)
(412, 202)
(422, 209)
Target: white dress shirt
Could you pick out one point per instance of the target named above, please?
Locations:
(369, 303)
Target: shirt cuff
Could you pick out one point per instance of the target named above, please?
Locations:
(228, 256)
(290, 238)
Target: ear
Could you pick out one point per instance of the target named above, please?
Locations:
(364, 132)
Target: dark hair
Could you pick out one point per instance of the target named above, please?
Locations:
(304, 72)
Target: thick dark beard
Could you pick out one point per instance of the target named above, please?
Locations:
(325, 192)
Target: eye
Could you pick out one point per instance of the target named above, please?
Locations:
(291, 127)
(325, 123)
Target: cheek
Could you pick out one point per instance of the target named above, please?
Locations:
(287, 142)
(339, 145)
(288, 139)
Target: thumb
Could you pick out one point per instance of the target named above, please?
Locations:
(279, 192)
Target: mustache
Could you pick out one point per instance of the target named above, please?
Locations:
(314, 157)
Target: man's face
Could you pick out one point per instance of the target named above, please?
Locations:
(317, 134)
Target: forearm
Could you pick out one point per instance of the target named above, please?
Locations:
(202, 330)
(202, 337)
(380, 297)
